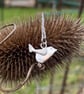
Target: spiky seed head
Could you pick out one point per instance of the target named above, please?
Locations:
(64, 34)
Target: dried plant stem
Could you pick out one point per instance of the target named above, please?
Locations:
(20, 84)
(38, 90)
(64, 83)
(81, 8)
(51, 81)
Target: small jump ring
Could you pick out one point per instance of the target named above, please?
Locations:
(14, 25)
(43, 44)
(41, 66)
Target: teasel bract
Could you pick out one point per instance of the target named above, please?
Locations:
(63, 33)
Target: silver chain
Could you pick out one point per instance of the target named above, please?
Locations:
(43, 36)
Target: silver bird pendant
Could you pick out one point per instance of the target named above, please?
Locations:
(43, 54)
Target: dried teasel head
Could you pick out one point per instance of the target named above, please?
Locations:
(63, 33)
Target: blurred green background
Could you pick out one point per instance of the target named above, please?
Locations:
(10, 13)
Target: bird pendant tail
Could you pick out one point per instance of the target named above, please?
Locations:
(31, 49)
